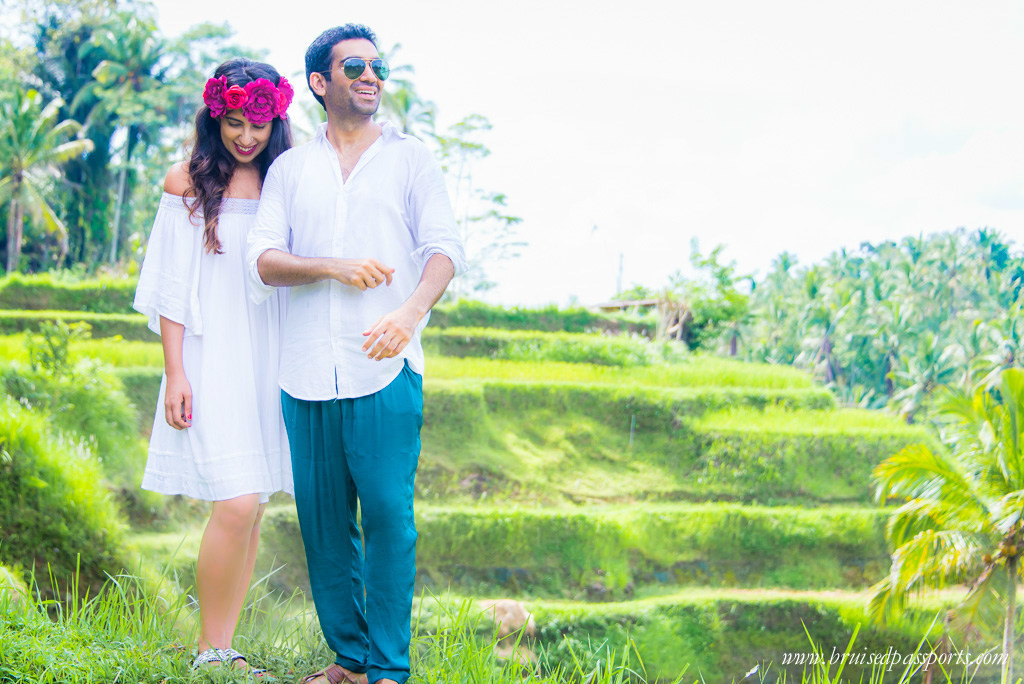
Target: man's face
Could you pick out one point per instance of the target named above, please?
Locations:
(359, 96)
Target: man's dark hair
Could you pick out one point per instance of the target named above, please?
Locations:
(318, 56)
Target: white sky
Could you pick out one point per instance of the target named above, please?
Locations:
(631, 126)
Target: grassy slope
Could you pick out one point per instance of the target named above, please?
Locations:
(528, 444)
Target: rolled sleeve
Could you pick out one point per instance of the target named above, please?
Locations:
(435, 227)
(270, 231)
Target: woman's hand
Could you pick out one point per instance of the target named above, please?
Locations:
(178, 402)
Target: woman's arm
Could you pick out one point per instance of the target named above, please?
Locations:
(178, 399)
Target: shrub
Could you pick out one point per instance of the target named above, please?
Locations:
(85, 400)
(55, 514)
(51, 291)
(142, 388)
(127, 326)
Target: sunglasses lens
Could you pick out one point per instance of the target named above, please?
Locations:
(353, 68)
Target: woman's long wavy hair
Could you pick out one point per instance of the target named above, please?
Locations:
(211, 165)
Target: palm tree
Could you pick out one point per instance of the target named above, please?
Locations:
(32, 145)
(127, 88)
(402, 104)
(962, 520)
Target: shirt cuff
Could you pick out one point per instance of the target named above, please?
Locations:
(259, 291)
(451, 250)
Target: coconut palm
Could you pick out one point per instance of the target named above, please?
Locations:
(127, 88)
(33, 144)
(963, 513)
(401, 103)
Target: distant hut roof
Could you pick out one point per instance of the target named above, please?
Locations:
(626, 304)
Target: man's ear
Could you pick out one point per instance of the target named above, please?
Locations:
(318, 83)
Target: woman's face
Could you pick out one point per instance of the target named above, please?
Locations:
(242, 139)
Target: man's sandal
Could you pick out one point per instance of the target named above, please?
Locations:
(335, 674)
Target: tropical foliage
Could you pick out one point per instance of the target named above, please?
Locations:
(132, 92)
(32, 146)
(962, 517)
(890, 323)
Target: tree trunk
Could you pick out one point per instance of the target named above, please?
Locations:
(1011, 616)
(15, 226)
(117, 213)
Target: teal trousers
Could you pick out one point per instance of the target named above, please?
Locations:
(354, 456)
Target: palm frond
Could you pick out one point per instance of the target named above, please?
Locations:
(981, 610)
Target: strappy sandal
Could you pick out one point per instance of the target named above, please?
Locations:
(210, 655)
(230, 655)
(335, 674)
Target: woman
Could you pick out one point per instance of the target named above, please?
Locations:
(219, 435)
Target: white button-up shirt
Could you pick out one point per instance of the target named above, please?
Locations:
(393, 207)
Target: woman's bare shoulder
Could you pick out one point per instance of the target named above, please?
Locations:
(177, 182)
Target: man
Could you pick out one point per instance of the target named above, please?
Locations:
(358, 224)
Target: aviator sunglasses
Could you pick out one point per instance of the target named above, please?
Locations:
(354, 67)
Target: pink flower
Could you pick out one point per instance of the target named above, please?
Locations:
(213, 96)
(262, 104)
(284, 96)
(235, 97)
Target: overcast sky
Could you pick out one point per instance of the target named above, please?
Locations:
(629, 127)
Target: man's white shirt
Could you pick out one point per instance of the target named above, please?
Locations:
(394, 207)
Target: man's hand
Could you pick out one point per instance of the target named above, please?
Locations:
(178, 402)
(392, 331)
(362, 273)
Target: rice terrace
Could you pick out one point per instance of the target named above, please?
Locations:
(809, 472)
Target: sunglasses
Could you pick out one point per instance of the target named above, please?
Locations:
(353, 67)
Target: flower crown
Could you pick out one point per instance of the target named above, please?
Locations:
(259, 100)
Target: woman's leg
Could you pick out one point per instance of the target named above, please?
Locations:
(223, 558)
(250, 564)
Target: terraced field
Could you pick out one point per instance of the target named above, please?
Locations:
(706, 509)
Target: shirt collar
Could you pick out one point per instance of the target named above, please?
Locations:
(387, 130)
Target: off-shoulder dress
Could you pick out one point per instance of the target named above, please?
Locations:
(237, 442)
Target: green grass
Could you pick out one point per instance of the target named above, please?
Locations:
(114, 351)
(698, 370)
(132, 631)
(775, 420)
(609, 552)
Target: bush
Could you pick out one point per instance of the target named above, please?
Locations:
(127, 326)
(55, 514)
(51, 291)
(86, 401)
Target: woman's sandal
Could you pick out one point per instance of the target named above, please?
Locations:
(226, 656)
(230, 655)
(210, 655)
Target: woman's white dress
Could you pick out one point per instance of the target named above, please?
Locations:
(237, 442)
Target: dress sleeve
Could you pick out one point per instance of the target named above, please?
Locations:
(168, 281)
